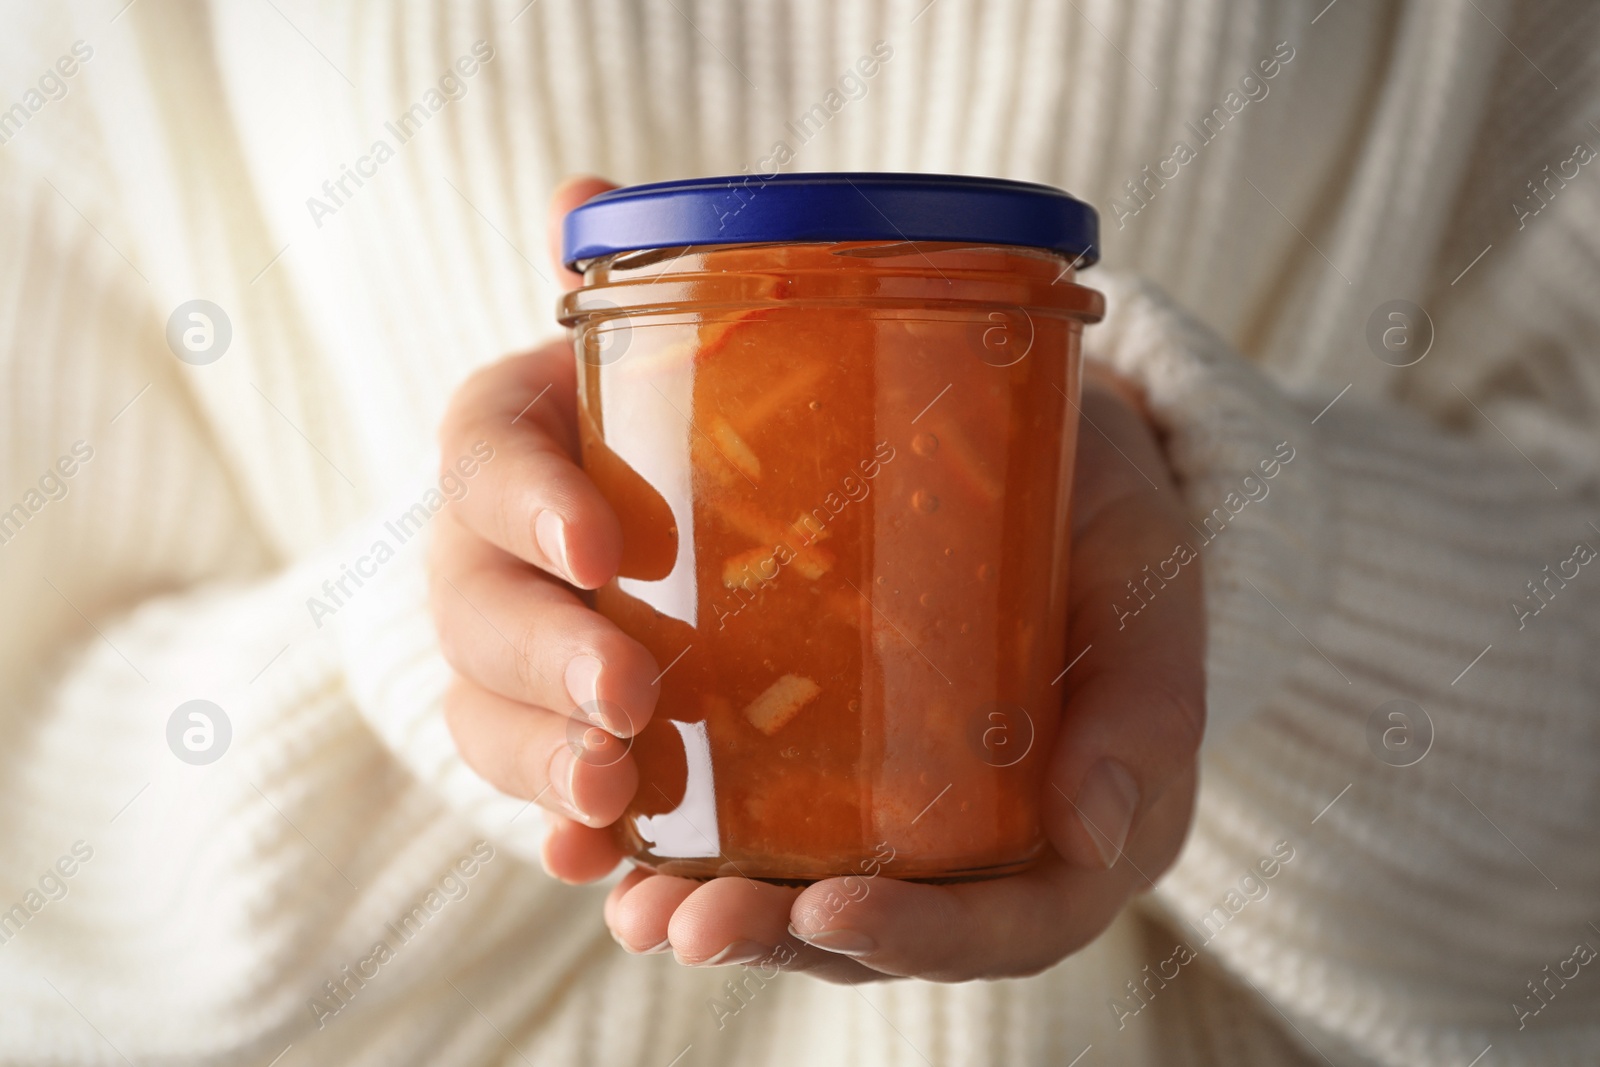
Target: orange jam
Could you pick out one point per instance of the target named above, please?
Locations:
(843, 473)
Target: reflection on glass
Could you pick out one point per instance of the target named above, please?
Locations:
(690, 829)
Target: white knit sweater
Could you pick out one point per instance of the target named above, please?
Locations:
(172, 913)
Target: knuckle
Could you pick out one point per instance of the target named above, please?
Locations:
(514, 519)
(525, 653)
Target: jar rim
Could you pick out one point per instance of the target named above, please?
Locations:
(694, 281)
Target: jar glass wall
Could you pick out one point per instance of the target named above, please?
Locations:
(843, 475)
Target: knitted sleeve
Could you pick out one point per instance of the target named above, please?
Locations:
(209, 812)
(1395, 833)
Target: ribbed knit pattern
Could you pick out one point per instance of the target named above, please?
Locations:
(1382, 163)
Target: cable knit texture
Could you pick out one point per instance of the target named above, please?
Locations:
(227, 913)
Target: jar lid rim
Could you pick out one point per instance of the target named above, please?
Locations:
(831, 206)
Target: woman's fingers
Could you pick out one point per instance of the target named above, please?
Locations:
(731, 921)
(576, 853)
(582, 772)
(539, 672)
(1135, 713)
(523, 636)
(640, 915)
(618, 891)
(858, 928)
(723, 922)
(529, 497)
(737, 921)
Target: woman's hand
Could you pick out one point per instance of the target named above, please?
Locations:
(1121, 782)
(544, 685)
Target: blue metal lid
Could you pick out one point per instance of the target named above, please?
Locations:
(758, 209)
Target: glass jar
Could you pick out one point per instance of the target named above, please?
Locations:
(840, 444)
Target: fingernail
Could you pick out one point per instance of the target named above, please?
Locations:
(844, 942)
(551, 533)
(583, 686)
(651, 951)
(1107, 801)
(736, 954)
(563, 766)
